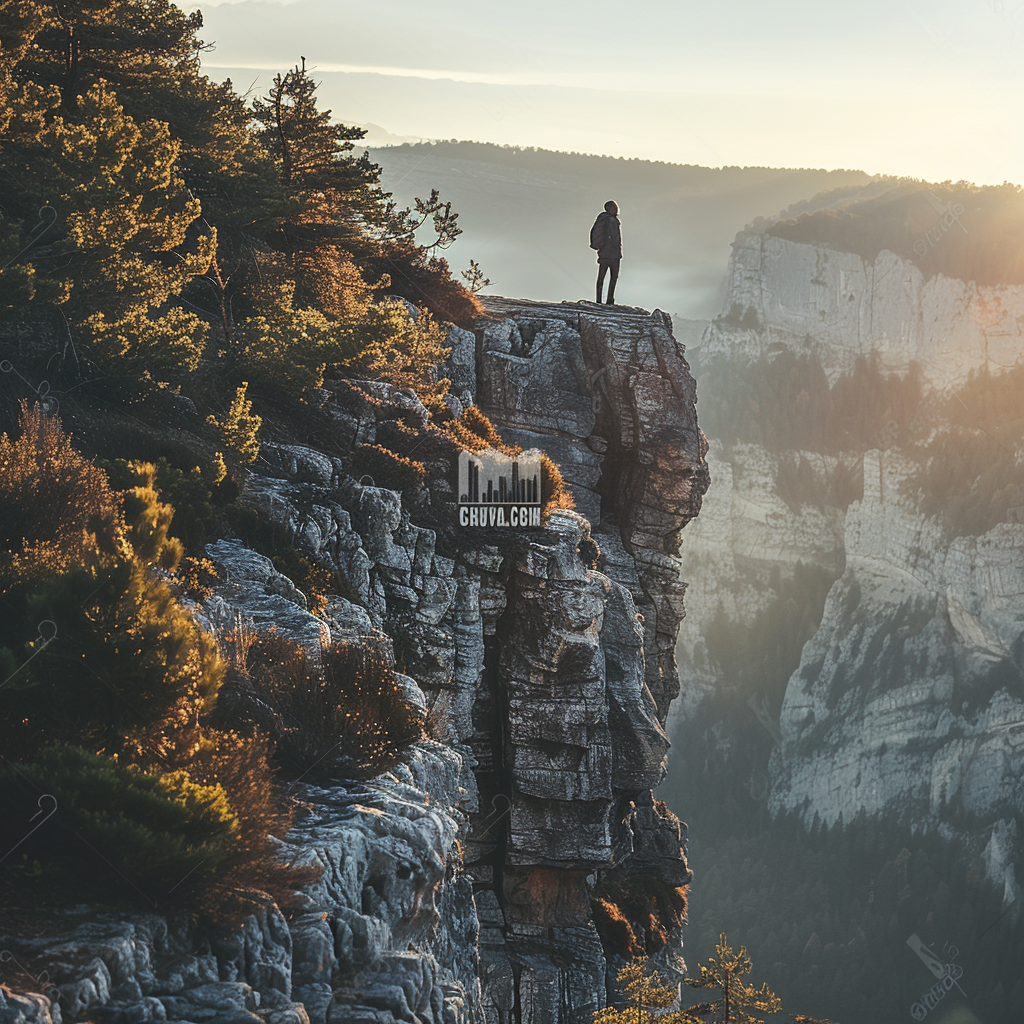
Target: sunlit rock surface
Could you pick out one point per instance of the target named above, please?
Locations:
(908, 696)
(814, 299)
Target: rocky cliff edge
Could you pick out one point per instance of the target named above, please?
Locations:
(460, 886)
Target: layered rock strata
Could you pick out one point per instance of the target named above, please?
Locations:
(839, 305)
(583, 661)
(457, 888)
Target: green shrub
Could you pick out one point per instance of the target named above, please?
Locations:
(402, 349)
(149, 520)
(120, 833)
(97, 651)
(427, 282)
(122, 666)
(129, 670)
(250, 870)
(197, 515)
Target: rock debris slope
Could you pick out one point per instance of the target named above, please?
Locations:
(459, 886)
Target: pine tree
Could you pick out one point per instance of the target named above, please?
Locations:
(99, 221)
(142, 209)
(645, 991)
(147, 53)
(338, 194)
(138, 47)
(726, 973)
(301, 136)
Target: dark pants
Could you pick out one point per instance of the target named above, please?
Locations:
(603, 265)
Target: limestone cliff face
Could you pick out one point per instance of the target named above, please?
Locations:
(619, 418)
(908, 697)
(457, 888)
(839, 305)
(585, 665)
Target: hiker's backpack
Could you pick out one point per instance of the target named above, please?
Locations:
(598, 232)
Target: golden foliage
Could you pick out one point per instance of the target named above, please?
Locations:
(725, 971)
(636, 915)
(403, 348)
(150, 519)
(59, 510)
(388, 468)
(239, 427)
(644, 990)
(240, 766)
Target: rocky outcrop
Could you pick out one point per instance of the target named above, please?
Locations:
(838, 305)
(908, 697)
(457, 887)
(580, 663)
(628, 442)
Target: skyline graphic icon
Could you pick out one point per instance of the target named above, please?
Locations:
(491, 477)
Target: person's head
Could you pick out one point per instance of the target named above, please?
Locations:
(612, 207)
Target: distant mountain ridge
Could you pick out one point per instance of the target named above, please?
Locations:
(526, 213)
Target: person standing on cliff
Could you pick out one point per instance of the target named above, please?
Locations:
(606, 238)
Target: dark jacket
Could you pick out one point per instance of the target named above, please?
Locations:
(612, 247)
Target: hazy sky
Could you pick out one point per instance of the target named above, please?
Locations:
(931, 88)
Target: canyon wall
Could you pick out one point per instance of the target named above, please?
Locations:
(908, 698)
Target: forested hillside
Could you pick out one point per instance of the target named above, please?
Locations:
(181, 271)
(961, 230)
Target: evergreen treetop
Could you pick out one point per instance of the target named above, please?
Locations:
(725, 971)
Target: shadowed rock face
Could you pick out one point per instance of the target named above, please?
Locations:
(461, 883)
(607, 393)
(581, 663)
